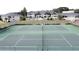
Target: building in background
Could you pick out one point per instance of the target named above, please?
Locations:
(11, 17)
(31, 14)
(70, 15)
(44, 14)
(54, 16)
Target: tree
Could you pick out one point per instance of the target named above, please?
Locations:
(1, 18)
(60, 17)
(55, 11)
(60, 9)
(24, 14)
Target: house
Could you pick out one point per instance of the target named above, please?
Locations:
(54, 16)
(11, 17)
(31, 14)
(70, 15)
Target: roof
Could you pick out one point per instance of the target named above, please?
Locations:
(68, 11)
(11, 14)
(70, 14)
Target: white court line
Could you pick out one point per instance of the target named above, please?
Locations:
(18, 46)
(5, 36)
(67, 41)
(18, 40)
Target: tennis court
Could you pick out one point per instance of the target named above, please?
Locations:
(39, 38)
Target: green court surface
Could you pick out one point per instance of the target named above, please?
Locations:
(40, 38)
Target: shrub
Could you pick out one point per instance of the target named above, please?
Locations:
(68, 24)
(22, 18)
(48, 19)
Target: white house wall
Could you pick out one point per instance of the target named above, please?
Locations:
(70, 18)
(54, 16)
(12, 19)
(33, 16)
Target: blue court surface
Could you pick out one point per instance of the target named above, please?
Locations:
(39, 38)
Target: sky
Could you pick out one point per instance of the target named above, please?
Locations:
(7, 6)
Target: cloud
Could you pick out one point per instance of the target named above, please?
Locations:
(16, 5)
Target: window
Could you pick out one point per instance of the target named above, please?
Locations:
(65, 16)
(77, 16)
